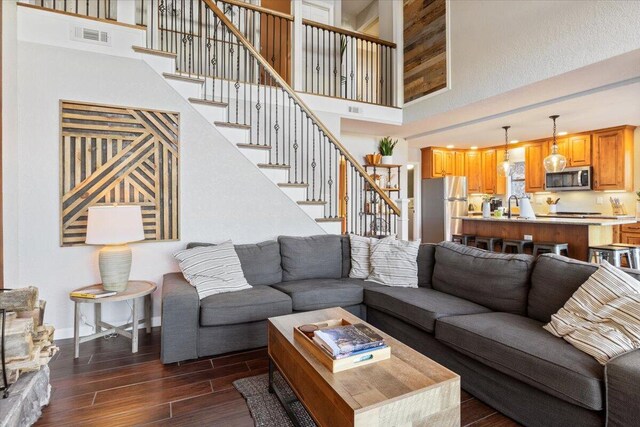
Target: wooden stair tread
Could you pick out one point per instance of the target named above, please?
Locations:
(292, 185)
(312, 202)
(185, 78)
(208, 102)
(338, 219)
(232, 125)
(253, 146)
(157, 52)
(273, 166)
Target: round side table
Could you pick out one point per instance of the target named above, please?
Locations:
(135, 290)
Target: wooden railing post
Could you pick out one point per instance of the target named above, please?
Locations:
(126, 12)
(403, 219)
(297, 46)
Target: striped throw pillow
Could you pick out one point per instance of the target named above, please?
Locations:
(212, 269)
(394, 263)
(602, 318)
(360, 253)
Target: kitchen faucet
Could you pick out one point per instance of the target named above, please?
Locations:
(509, 203)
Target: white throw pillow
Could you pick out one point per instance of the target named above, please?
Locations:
(212, 269)
(394, 263)
(360, 254)
(602, 318)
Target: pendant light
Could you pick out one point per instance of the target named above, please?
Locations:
(505, 168)
(555, 162)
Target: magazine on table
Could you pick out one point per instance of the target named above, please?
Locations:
(347, 340)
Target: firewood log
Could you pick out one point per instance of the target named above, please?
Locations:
(24, 299)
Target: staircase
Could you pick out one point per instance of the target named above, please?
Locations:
(210, 52)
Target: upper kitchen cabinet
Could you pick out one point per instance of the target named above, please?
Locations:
(534, 155)
(437, 163)
(489, 171)
(576, 148)
(613, 159)
(473, 171)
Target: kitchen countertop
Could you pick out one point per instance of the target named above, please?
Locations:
(555, 220)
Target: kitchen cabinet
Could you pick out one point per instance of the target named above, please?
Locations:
(534, 178)
(459, 159)
(576, 148)
(489, 171)
(437, 162)
(473, 171)
(613, 159)
(630, 234)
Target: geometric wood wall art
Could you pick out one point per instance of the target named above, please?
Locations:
(121, 155)
(425, 47)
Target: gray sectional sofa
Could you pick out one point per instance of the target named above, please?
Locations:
(478, 313)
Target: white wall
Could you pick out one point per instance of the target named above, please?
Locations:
(497, 46)
(223, 196)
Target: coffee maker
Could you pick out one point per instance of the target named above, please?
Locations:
(495, 204)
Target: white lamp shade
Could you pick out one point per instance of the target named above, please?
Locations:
(114, 225)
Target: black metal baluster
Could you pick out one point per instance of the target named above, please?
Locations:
(276, 126)
(308, 141)
(317, 49)
(354, 63)
(237, 83)
(258, 106)
(324, 64)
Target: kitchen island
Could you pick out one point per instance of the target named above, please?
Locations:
(579, 233)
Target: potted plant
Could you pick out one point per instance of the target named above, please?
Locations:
(386, 147)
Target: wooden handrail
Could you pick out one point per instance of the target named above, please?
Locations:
(343, 151)
(259, 9)
(350, 33)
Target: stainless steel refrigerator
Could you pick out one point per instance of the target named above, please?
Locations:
(442, 200)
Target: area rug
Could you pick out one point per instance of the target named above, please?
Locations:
(265, 408)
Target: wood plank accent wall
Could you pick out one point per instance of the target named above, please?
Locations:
(118, 155)
(425, 47)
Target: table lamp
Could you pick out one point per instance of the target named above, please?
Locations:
(114, 226)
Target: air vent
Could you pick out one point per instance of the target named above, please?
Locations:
(355, 110)
(91, 35)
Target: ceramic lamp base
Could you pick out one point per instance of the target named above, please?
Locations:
(115, 266)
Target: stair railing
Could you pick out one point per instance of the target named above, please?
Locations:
(231, 46)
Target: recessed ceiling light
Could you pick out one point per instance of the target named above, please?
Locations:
(474, 147)
(514, 141)
(450, 146)
(563, 133)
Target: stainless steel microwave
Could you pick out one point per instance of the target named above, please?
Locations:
(570, 179)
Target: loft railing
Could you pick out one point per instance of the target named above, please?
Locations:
(101, 9)
(346, 64)
(221, 42)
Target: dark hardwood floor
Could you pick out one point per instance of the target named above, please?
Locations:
(109, 386)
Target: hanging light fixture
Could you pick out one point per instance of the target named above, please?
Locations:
(555, 162)
(505, 168)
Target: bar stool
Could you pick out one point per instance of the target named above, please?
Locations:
(463, 239)
(545, 247)
(516, 244)
(489, 242)
(612, 254)
(634, 251)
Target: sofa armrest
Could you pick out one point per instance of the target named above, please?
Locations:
(180, 319)
(622, 375)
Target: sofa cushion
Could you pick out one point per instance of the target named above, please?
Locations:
(420, 307)
(497, 281)
(426, 262)
(519, 347)
(554, 280)
(260, 261)
(250, 305)
(311, 257)
(314, 294)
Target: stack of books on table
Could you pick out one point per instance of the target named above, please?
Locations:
(348, 340)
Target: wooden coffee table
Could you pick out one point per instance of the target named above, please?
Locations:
(409, 389)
